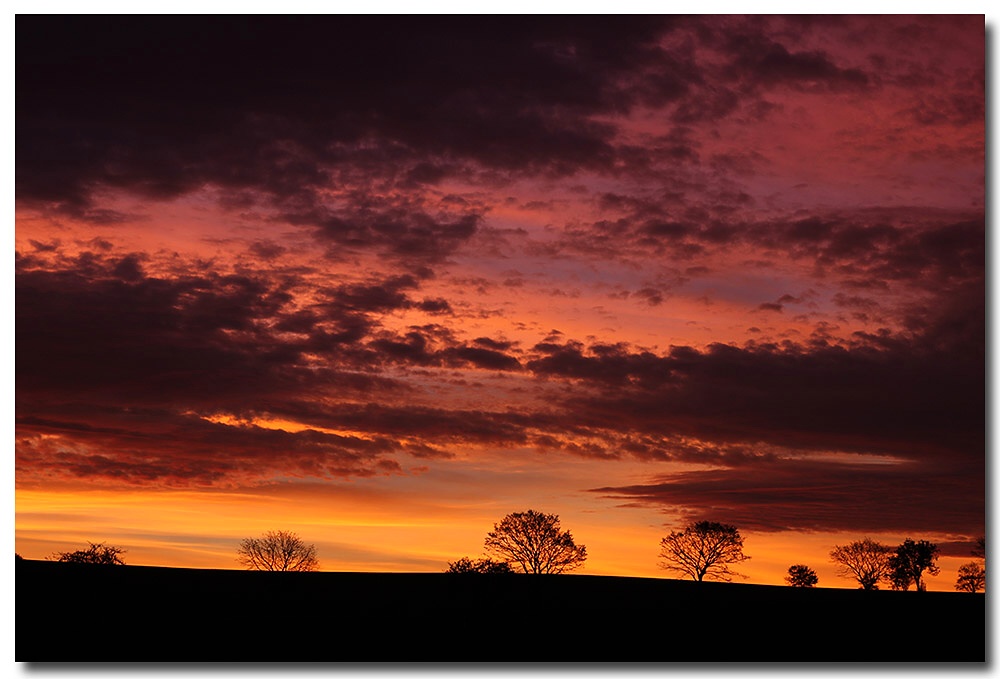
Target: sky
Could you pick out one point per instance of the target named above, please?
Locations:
(383, 280)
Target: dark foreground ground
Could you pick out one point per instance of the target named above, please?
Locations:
(80, 613)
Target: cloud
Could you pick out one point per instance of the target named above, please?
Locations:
(96, 326)
(165, 448)
(399, 226)
(765, 61)
(100, 332)
(914, 396)
(865, 248)
(246, 103)
(611, 364)
(434, 345)
(807, 495)
(118, 371)
(368, 175)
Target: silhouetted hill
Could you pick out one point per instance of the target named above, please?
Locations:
(81, 613)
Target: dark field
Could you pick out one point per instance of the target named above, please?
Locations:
(82, 613)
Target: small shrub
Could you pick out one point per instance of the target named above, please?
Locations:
(96, 553)
(488, 566)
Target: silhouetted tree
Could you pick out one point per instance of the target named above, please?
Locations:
(486, 566)
(979, 550)
(907, 565)
(800, 575)
(277, 551)
(867, 561)
(898, 580)
(971, 577)
(99, 553)
(703, 550)
(534, 542)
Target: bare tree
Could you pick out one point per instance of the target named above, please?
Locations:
(866, 560)
(277, 551)
(99, 553)
(971, 577)
(703, 550)
(534, 542)
(801, 575)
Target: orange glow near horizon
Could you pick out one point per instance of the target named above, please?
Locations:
(363, 530)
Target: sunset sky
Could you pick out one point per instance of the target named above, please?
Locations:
(381, 281)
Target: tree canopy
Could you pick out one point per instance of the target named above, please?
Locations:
(907, 565)
(971, 577)
(534, 542)
(98, 553)
(703, 550)
(801, 575)
(277, 551)
(866, 560)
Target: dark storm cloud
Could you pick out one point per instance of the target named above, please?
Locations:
(495, 345)
(918, 396)
(610, 364)
(748, 59)
(776, 495)
(437, 305)
(152, 354)
(125, 368)
(436, 425)
(436, 346)
(869, 248)
(400, 226)
(97, 322)
(277, 108)
(274, 111)
(762, 60)
(382, 296)
(952, 109)
(274, 104)
(76, 332)
(162, 446)
(44, 247)
(267, 250)
(486, 359)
